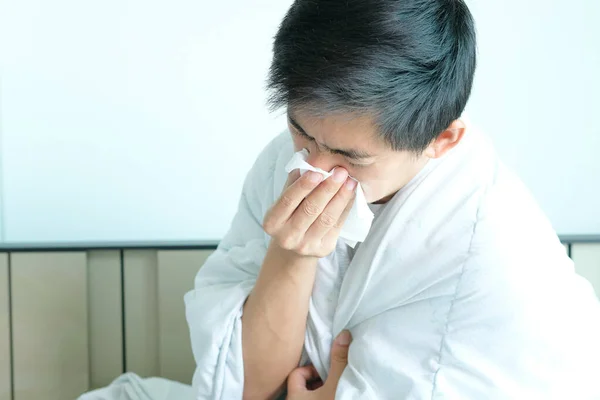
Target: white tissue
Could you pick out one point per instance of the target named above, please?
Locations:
(359, 219)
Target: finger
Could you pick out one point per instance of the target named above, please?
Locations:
(290, 199)
(314, 204)
(298, 379)
(333, 234)
(339, 358)
(335, 212)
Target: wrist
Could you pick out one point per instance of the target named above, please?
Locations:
(289, 257)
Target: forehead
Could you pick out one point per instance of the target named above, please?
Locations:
(341, 130)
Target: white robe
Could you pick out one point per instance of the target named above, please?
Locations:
(461, 290)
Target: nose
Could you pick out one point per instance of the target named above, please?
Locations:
(322, 160)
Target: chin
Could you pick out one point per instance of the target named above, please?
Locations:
(372, 199)
(379, 199)
(370, 196)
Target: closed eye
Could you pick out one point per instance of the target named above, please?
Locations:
(312, 139)
(356, 165)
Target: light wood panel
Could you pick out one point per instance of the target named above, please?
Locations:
(141, 312)
(587, 262)
(105, 317)
(5, 384)
(176, 272)
(50, 325)
(67, 317)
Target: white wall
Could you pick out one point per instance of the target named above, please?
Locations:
(537, 93)
(131, 120)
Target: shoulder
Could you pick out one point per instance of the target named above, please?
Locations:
(517, 275)
(523, 313)
(267, 176)
(270, 156)
(275, 154)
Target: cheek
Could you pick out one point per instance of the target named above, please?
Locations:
(375, 183)
(370, 183)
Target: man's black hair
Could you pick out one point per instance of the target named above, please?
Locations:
(409, 64)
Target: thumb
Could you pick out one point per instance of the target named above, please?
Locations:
(298, 380)
(339, 357)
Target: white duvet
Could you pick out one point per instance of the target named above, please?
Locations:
(461, 290)
(130, 386)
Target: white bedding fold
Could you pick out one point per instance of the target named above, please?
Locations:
(130, 386)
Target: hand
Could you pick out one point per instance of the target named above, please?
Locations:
(308, 217)
(303, 381)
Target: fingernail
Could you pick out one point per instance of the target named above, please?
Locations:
(340, 175)
(343, 338)
(314, 177)
(350, 184)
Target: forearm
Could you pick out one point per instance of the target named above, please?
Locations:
(274, 321)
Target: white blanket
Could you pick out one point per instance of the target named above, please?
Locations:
(130, 386)
(460, 291)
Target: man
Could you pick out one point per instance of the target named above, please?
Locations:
(461, 289)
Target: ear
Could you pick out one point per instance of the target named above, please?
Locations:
(446, 140)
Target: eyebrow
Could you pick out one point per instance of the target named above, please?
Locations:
(350, 153)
